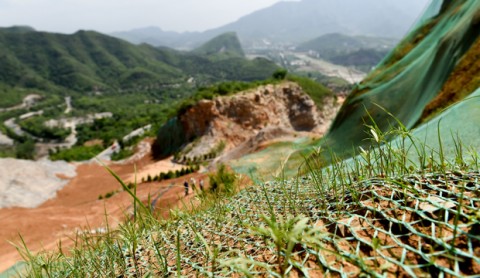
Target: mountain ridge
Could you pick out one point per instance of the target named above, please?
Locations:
(88, 59)
(298, 21)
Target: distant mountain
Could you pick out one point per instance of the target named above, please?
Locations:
(18, 29)
(88, 59)
(300, 21)
(226, 45)
(157, 37)
(304, 20)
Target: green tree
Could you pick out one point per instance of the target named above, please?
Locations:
(280, 74)
(25, 149)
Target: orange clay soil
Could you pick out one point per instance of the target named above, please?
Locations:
(77, 207)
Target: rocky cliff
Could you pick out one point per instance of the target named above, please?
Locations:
(265, 113)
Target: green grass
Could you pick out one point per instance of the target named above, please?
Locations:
(123, 154)
(11, 96)
(77, 153)
(36, 127)
(7, 151)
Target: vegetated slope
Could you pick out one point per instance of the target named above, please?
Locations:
(138, 84)
(223, 46)
(19, 29)
(299, 21)
(88, 59)
(78, 62)
(411, 76)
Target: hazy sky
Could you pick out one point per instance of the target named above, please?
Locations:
(68, 16)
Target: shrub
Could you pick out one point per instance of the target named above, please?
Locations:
(223, 181)
(25, 149)
(280, 74)
(77, 153)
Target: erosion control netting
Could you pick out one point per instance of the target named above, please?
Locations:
(415, 225)
(411, 75)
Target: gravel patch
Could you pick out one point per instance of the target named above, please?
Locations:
(26, 183)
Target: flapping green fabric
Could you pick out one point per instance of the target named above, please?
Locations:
(411, 75)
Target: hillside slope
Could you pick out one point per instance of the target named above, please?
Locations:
(86, 73)
(226, 45)
(461, 83)
(88, 59)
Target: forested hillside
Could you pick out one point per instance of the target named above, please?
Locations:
(138, 84)
(89, 59)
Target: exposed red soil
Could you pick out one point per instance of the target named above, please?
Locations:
(77, 207)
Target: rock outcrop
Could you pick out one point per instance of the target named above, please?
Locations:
(222, 124)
